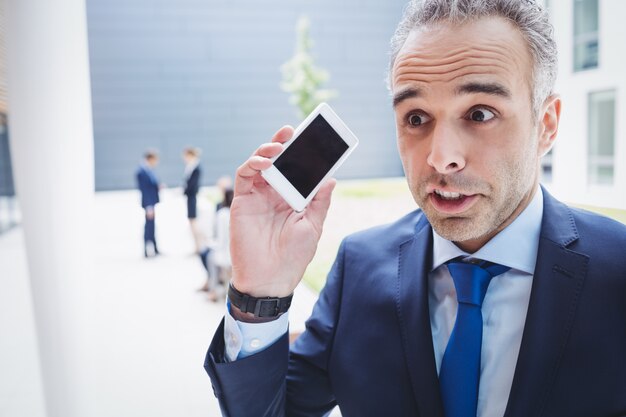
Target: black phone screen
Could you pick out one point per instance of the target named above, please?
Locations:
(309, 158)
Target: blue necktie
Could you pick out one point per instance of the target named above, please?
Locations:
(460, 368)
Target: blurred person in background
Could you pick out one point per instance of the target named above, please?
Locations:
(192, 175)
(225, 182)
(216, 255)
(148, 185)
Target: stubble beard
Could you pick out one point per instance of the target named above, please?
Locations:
(498, 200)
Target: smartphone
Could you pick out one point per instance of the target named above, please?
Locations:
(318, 147)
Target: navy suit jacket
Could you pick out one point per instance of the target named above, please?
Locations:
(192, 184)
(368, 345)
(149, 187)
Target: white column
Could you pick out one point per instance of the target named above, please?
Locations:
(51, 138)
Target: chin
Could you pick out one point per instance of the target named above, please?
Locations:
(458, 229)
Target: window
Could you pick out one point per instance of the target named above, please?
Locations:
(585, 34)
(601, 137)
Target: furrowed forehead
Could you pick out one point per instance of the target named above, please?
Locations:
(490, 49)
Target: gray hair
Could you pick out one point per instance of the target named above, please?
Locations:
(530, 18)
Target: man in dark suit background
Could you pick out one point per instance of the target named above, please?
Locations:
(492, 299)
(191, 156)
(149, 186)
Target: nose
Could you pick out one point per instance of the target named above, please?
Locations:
(447, 150)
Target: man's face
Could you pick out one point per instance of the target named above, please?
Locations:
(469, 141)
(188, 157)
(153, 161)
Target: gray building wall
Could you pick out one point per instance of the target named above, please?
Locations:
(171, 73)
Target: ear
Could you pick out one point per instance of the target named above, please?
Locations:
(549, 123)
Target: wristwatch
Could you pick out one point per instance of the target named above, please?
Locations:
(260, 307)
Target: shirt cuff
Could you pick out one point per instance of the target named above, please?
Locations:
(245, 339)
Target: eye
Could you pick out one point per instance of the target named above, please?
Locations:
(480, 114)
(417, 119)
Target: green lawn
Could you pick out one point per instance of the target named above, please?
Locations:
(361, 204)
(375, 188)
(616, 214)
(356, 205)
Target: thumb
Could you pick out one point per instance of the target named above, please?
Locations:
(318, 208)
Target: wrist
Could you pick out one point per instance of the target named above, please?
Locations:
(274, 289)
(238, 315)
(247, 308)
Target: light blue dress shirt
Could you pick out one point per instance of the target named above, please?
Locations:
(245, 339)
(504, 308)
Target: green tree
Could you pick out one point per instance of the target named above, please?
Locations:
(301, 78)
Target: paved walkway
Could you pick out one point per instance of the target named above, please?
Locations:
(150, 327)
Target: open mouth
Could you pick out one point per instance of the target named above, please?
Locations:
(449, 202)
(447, 195)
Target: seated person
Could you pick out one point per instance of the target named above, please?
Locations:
(216, 255)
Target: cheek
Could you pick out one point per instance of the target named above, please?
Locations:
(412, 171)
(404, 158)
(411, 154)
(512, 168)
(509, 143)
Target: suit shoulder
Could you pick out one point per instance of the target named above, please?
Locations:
(597, 225)
(602, 240)
(600, 237)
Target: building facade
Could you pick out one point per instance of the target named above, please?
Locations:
(588, 162)
(169, 74)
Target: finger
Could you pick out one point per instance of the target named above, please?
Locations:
(325, 191)
(318, 208)
(283, 135)
(246, 173)
(244, 179)
(269, 150)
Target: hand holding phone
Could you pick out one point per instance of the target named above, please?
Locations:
(271, 244)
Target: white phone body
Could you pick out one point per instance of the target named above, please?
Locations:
(318, 147)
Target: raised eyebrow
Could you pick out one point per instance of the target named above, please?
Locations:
(400, 96)
(493, 89)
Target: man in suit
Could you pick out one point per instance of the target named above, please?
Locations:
(493, 299)
(191, 156)
(149, 186)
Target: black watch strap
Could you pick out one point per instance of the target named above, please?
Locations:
(260, 307)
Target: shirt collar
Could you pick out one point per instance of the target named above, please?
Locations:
(516, 246)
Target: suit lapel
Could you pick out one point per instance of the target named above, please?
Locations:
(415, 258)
(557, 283)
